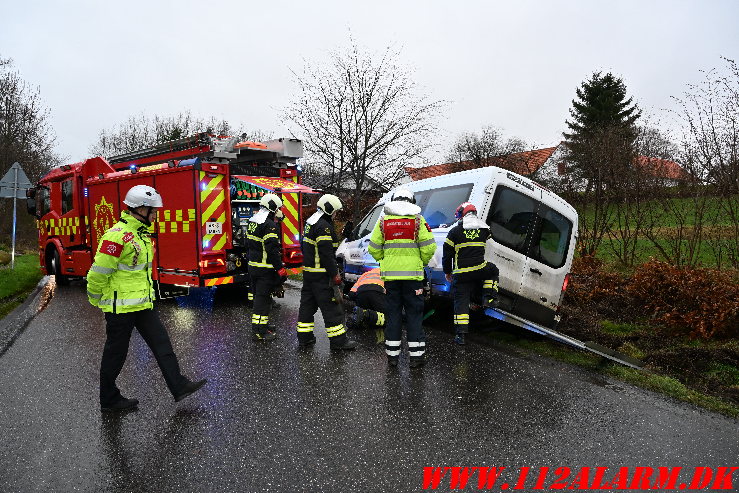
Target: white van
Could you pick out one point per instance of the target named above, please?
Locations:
(533, 240)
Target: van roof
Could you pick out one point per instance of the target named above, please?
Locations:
(475, 176)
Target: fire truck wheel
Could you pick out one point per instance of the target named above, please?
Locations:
(56, 268)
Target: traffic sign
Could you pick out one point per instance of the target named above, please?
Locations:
(15, 183)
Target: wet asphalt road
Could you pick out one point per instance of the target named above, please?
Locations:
(275, 418)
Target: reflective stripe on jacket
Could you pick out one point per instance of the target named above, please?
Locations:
(319, 247)
(403, 245)
(263, 242)
(371, 278)
(464, 249)
(119, 280)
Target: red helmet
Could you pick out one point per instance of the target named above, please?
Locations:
(464, 209)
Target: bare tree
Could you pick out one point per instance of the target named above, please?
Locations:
(26, 137)
(361, 119)
(709, 111)
(635, 214)
(473, 149)
(139, 132)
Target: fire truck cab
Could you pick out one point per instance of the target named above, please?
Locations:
(210, 186)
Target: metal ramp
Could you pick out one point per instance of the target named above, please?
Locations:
(593, 347)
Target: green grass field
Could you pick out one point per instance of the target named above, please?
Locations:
(715, 213)
(717, 225)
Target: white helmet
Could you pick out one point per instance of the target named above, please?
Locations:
(404, 195)
(329, 203)
(271, 202)
(143, 196)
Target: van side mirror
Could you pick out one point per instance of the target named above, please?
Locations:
(347, 231)
(31, 201)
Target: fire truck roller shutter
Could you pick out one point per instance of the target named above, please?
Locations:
(291, 224)
(213, 203)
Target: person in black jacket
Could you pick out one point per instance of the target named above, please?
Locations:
(265, 263)
(465, 266)
(321, 279)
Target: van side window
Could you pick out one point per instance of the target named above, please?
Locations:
(67, 203)
(511, 218)
(438, 205)
(553, 239)
(367, 224)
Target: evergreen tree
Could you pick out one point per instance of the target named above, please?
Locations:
(602, 132)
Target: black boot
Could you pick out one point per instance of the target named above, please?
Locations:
(267, 335)
(342, 342)
(189, 389)
(417, 361)
(306, 339)
(120, 405)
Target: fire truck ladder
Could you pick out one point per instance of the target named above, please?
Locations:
(195, 142)
(593, 347)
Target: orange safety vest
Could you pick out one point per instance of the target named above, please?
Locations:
(369, 277)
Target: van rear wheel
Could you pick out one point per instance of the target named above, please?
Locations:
(56, 269)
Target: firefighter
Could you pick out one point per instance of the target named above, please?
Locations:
(465, 266)
(403, 244)
(321, 279)
(266, 272)
(279, 216)
(369, 295)
(119, 283)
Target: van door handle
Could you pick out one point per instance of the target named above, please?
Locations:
(535, 271)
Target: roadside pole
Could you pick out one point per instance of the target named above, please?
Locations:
(15, 202)
(11, 187)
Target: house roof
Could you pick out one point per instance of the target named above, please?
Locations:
(523, 163)
(528, 162)
(662, 168)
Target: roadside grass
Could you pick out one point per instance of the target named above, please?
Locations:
(16, 284)
(618, 328)
(665, 384)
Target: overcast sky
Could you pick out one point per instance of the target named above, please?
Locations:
(512, 64)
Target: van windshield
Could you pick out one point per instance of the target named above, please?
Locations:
(438, 205)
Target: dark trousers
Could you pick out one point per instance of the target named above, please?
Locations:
(263, 283)
(402, 295)
(118, 330)
(467, 285)
(318, 292)
(374, 302)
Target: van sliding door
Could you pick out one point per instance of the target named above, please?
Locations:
(511, 220)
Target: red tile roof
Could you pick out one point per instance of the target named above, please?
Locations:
(662, 168)
(523, 163)
(528, 162)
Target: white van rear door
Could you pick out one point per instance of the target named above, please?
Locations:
(510, 216)
(546, 264)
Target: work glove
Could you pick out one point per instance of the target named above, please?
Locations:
(283, 275)
(337, 280)
(448, 277)
(338, 295)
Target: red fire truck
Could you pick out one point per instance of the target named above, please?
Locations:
(210, 186)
